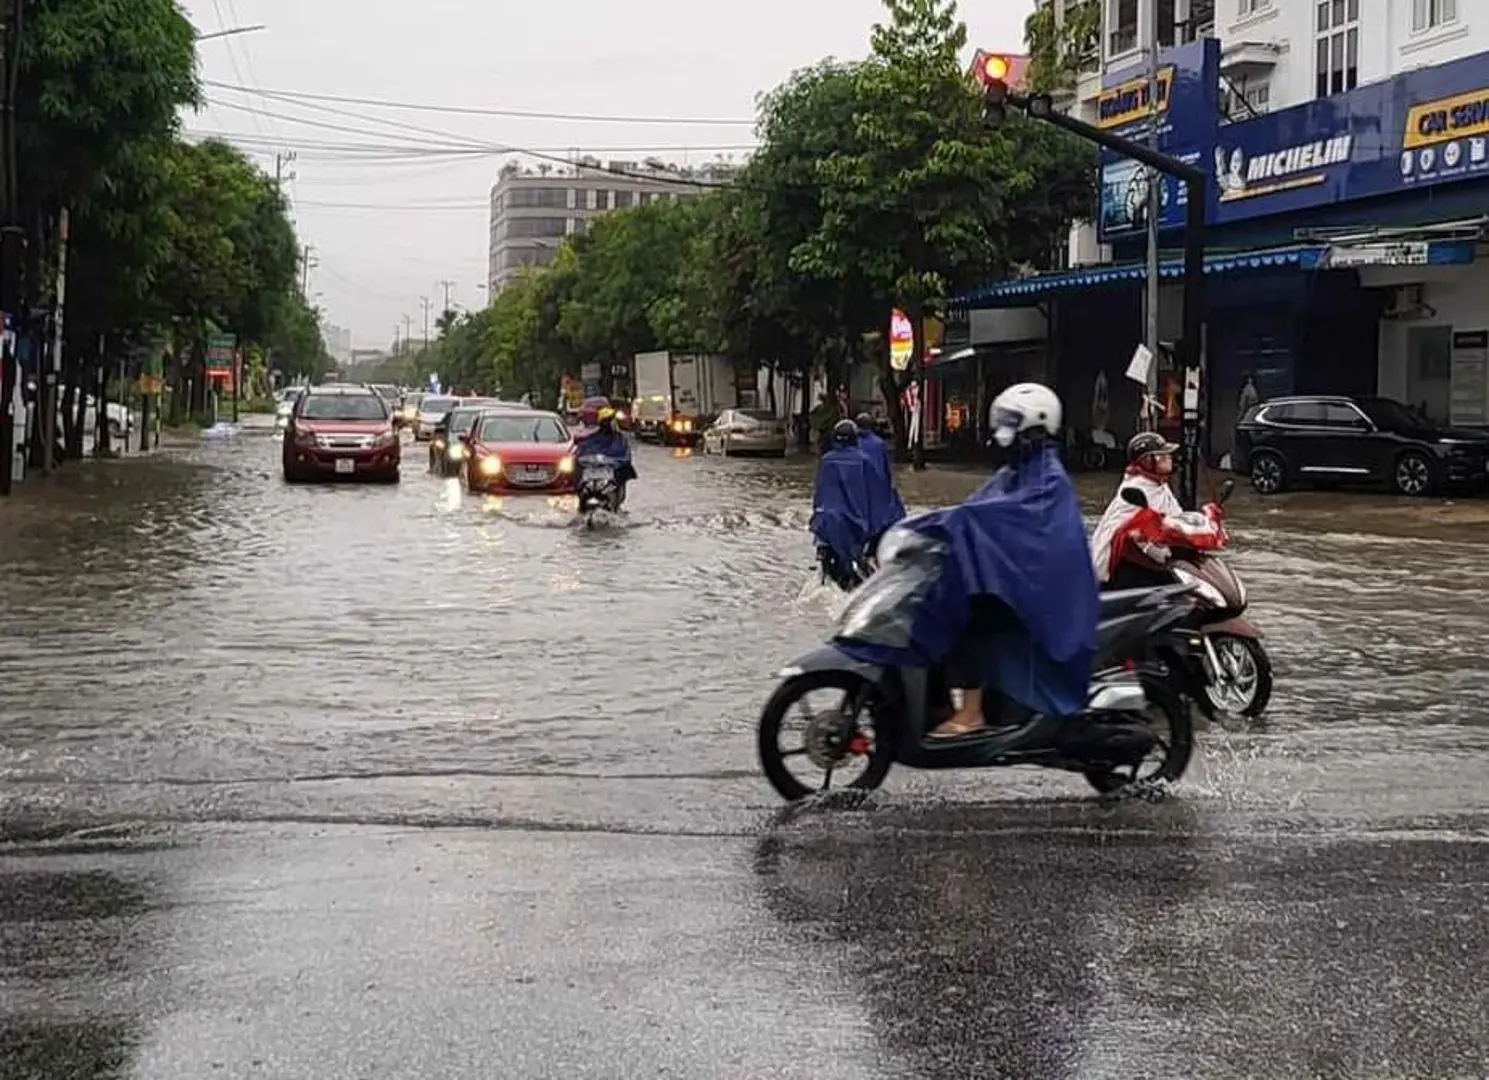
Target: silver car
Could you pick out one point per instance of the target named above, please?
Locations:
(746, 431)
(432, 409)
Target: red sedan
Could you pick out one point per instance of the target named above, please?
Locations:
(520, 450)
(341, 431)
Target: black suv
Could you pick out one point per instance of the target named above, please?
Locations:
(1366, 440)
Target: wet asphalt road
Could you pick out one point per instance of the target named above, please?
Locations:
(368, 782)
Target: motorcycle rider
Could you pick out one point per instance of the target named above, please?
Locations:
(606, 440)
(844, 516)
(877, 451)
(1150, 465)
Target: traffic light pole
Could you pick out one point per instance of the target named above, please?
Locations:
(1195, 181)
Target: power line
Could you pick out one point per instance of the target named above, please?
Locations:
(601, 170)
(463, 110)
(415, 151)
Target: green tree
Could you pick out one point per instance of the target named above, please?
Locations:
(923, 198)
(1062, 46)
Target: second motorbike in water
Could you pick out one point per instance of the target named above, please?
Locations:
(1222, 664)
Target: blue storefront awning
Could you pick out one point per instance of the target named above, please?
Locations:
(1300, 257)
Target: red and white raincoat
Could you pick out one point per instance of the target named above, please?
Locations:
(1163, 522)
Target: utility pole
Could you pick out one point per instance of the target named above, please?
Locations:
(408, 335)
(448, 286)
(281, 159)
(1156, 182)
(307, 261)
(427, 305)
(12, 236)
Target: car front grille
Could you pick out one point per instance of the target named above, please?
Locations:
(344, 442)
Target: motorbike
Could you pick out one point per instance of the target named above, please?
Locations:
(884, 714)
(597, 487)
(845, 577)
(1218, 656)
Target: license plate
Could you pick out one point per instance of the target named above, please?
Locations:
(345, 465)
(532, 474)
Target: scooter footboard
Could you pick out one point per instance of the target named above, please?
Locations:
(1122, 693)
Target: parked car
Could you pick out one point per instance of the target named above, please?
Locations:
(520, 450)
(746, 431)
(120, 420)
(341, 431)
(1330, 440)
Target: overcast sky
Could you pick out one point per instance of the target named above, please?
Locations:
(391, 220)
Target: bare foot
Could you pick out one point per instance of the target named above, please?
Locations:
(959, 725)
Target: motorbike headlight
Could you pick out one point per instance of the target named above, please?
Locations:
(1202, 588)
(490, 466)
(439, 444)
(456, 452)
(566, 465)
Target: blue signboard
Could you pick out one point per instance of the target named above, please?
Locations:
(1421, 128)
(1187, 111)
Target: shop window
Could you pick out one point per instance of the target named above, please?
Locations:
(1121, 18)
(1337, 47)
(1431, 14)
(1251, 7)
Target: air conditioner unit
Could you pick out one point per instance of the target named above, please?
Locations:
(1405, 303)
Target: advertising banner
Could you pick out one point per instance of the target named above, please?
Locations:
(1186, 112)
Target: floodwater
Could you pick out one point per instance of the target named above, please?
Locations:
(243, 678)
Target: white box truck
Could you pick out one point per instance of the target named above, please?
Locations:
(676, 393)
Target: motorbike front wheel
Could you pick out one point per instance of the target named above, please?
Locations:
(833, 739)
(1248, 688)
(1167, 708)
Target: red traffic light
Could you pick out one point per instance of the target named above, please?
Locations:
(995, 67)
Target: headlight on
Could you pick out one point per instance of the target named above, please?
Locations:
(439, 444)
(566, 465)
(456, 452)
(490, 466)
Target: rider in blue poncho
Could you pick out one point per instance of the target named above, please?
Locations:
(845, 513)
(607, 441)
(1015, 603)
(877, 451)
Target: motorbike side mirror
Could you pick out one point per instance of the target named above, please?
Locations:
(1225, 492)
(1134, 497)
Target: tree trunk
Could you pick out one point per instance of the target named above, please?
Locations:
(103, 444)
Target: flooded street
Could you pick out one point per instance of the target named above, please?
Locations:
(387, 782)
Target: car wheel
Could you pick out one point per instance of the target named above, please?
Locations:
(1413, 474)
(1268, 473)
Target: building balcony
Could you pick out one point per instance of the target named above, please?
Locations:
(1248, 59)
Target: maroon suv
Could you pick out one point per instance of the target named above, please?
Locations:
(341, 431)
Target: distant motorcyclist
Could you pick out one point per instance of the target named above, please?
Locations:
(606, 440)
(844, 519)
(877, 451)
(1150, 465)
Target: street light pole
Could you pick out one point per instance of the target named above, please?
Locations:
(1155, 209)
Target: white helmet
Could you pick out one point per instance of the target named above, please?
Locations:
(1025, 407)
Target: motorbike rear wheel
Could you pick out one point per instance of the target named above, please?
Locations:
(1178, 744)
(827, 735)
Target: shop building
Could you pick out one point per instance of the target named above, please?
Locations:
(1347, 209)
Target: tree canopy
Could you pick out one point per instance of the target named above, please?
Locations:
(167, 240)
(876, 185)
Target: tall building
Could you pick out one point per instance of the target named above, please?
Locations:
(533, 207)
(338, 341)
(1346, 150)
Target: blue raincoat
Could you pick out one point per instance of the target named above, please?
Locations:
(877, 451)
(1019, 539)
(610, 444)
(843, 504)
